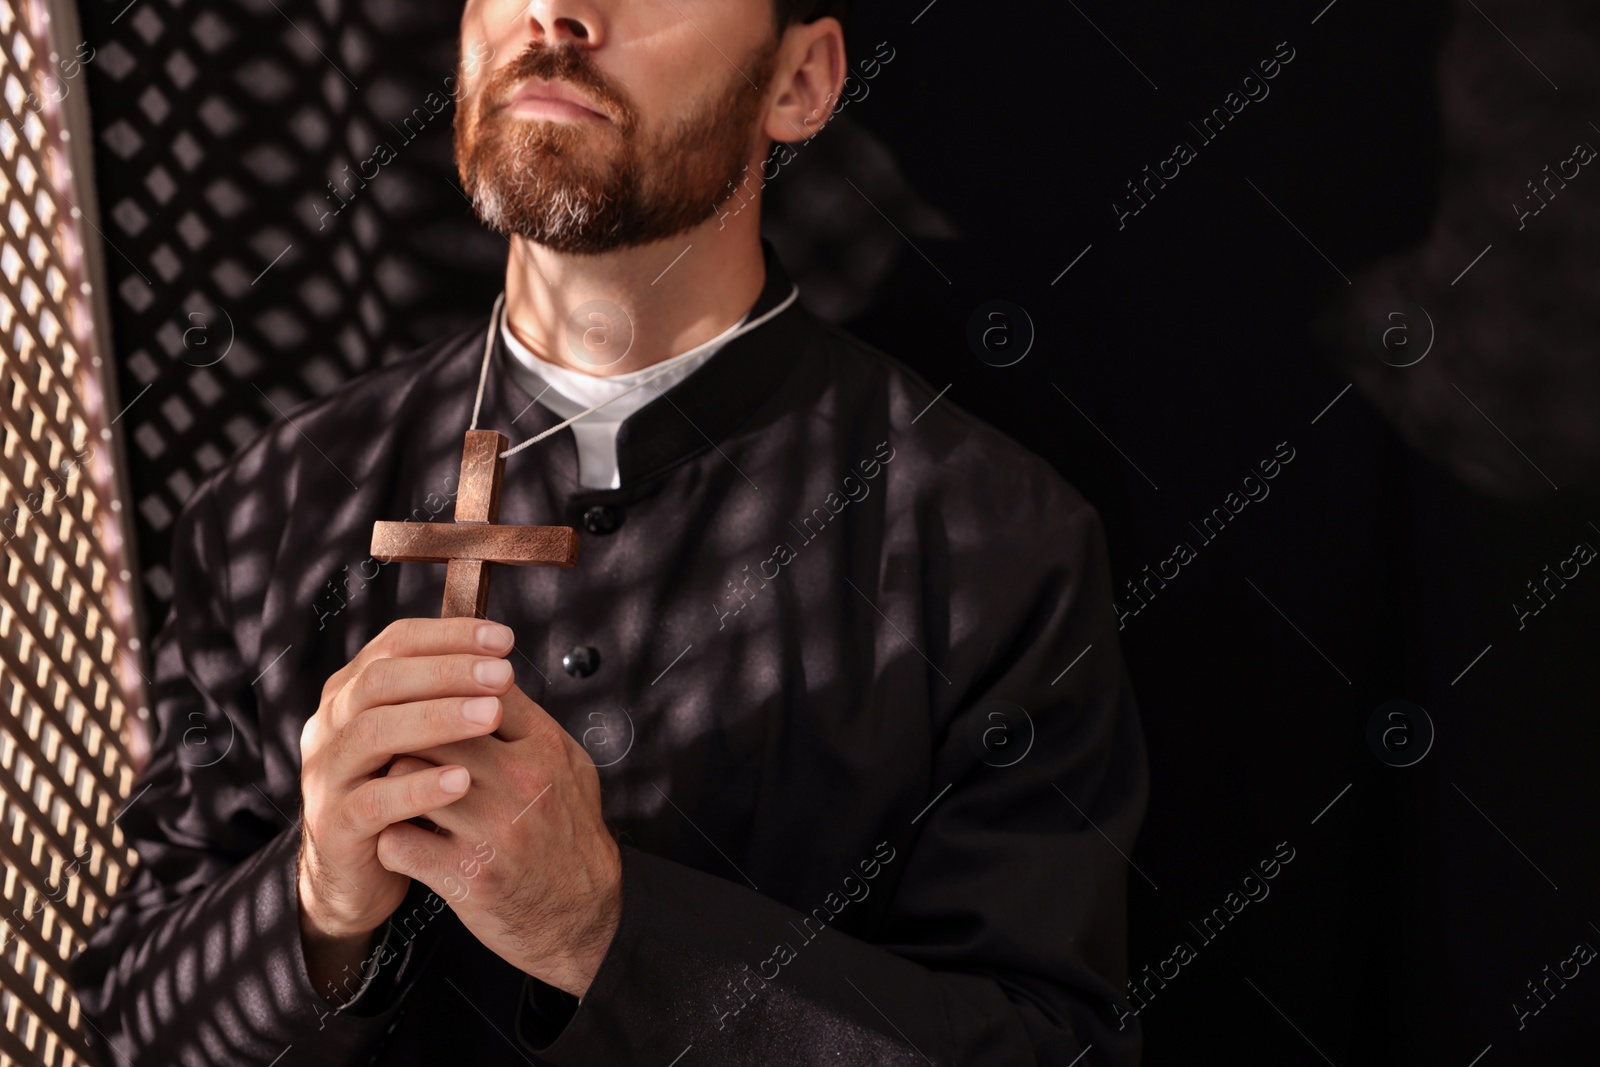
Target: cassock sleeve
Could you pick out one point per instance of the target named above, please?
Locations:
(198, 959)
(1004, 942)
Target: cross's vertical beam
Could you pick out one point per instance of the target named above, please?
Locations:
(466, 581)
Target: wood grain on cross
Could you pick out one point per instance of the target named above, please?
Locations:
(473, 542)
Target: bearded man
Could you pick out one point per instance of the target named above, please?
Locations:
(824, 751)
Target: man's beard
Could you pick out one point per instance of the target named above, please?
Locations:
(588, 187)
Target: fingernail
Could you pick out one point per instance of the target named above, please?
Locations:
(480, 710)
(494, 637)
(492, 672)
(455, 780)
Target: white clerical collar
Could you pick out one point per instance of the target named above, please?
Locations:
(568, 392)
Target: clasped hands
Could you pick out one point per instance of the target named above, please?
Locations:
(426, 721)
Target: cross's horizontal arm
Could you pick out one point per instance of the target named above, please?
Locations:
(413, 542)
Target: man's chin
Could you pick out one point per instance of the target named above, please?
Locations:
(571, 220)
(600, 235)
(578, 202)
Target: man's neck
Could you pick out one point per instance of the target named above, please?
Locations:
(675, 294)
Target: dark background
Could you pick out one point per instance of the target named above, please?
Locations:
(1174, 355)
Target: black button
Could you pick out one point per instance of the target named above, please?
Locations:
(602, 519)
(581, 661)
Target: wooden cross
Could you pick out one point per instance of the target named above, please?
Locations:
(471, 543)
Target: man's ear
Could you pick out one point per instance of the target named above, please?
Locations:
(810, 76)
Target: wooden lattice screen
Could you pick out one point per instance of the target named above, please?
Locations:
(71, 687)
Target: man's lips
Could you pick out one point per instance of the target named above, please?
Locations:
(554, 99)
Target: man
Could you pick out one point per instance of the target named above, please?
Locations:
(824, 752)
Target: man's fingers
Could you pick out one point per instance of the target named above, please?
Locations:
(410, 679)
(377, 734)
(383, 802)
(410, 850)
(432, 637)
(425, 637)
(410, 765)
(407, 765)
(520, 716)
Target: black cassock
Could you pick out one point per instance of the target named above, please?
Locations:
(853, 685)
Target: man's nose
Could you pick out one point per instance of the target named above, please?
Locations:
(558, 22)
